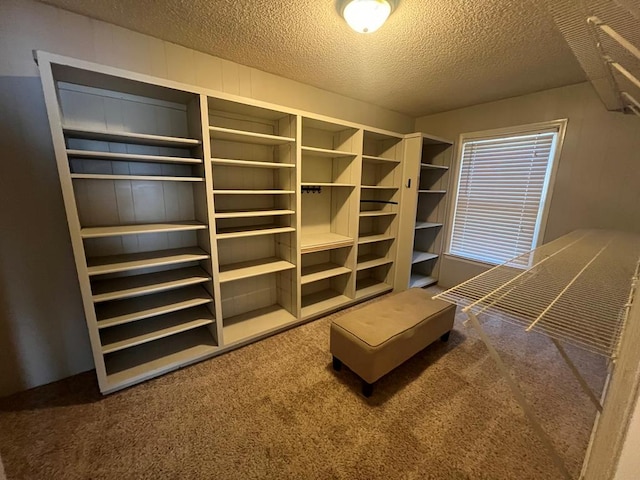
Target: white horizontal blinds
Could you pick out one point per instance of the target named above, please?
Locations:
(501, 189)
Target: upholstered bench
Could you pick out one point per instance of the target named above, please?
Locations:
(375, 339)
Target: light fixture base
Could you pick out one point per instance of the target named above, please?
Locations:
(366, 16)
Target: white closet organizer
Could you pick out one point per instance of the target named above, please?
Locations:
(426, 181)
(330, 171)
(202, 221)
(253, 156)
(379, 211)
(133, 178)
(577, 289)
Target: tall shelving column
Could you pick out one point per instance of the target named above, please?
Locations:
(427, 163)
(253, 157)
(129, 155)
(378, 216)
(329, 175)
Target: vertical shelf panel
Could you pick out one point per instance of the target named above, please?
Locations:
(380, 202)
(254, 171)
(425, 213)
(132, 170)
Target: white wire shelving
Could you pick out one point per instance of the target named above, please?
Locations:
(577, 290)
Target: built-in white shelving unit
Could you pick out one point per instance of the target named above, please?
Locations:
(426, 181)
(202, 221)
(379, 211)
(254, 165)
(330, 171)
(132, 169)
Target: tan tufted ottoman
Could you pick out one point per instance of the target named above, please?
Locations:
(375, 339)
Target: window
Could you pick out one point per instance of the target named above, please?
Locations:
(503, 182)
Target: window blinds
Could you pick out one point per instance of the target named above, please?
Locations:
(501, 191)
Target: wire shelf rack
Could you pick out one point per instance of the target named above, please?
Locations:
(576, 289)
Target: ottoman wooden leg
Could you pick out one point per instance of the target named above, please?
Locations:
(337, 364)
(445, 337)
(367, 389)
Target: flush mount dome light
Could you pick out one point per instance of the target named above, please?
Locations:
(366, 16)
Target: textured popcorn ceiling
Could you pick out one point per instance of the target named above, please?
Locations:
(430, 56)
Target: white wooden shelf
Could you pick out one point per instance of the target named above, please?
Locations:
(372, 158)
(429, 166)
(417, 280)
(418, 256)
(253, 192)
(370, 287)
(433, 191)
(129, 157)
(228, 162)
(154, 178)
(253, 268)
(322, 302)
(255, 323)
(326, 184)
(252, 231)
(134, 261)
(134, 334)
(318, 242)
(139, 285)
(231, 135)
(373, 238)
(128, 137)
(131, 310)
(376, 213)
(252, 213)
(322, 271)
(133, 365)
(97, 232)
(371, 260)
(326, 153)
(378, 187)
(421, 225)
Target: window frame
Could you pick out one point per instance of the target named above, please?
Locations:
(527, 129)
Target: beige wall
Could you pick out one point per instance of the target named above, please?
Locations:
(599, 171)
(42, 333)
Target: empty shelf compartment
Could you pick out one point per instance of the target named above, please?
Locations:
(146, 361)
(253, 268)
(419, 280)
(120, 312)
(418, 256)
(128, 137)
(324, 241)
(135, 261)
(370, 287)
(139, 285)
(255, 323)
(253, 230)
(111, 231)
(129, 157)
(321, 302)
(371, 260)
(420, 225)
(242, 136)
(134, 334)
(231, 162)
(313, 273)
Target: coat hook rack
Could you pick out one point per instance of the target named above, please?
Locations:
(311, 189)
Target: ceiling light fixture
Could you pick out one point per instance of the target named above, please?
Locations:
(366, 16)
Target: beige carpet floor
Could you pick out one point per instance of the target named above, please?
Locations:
(276, 410)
